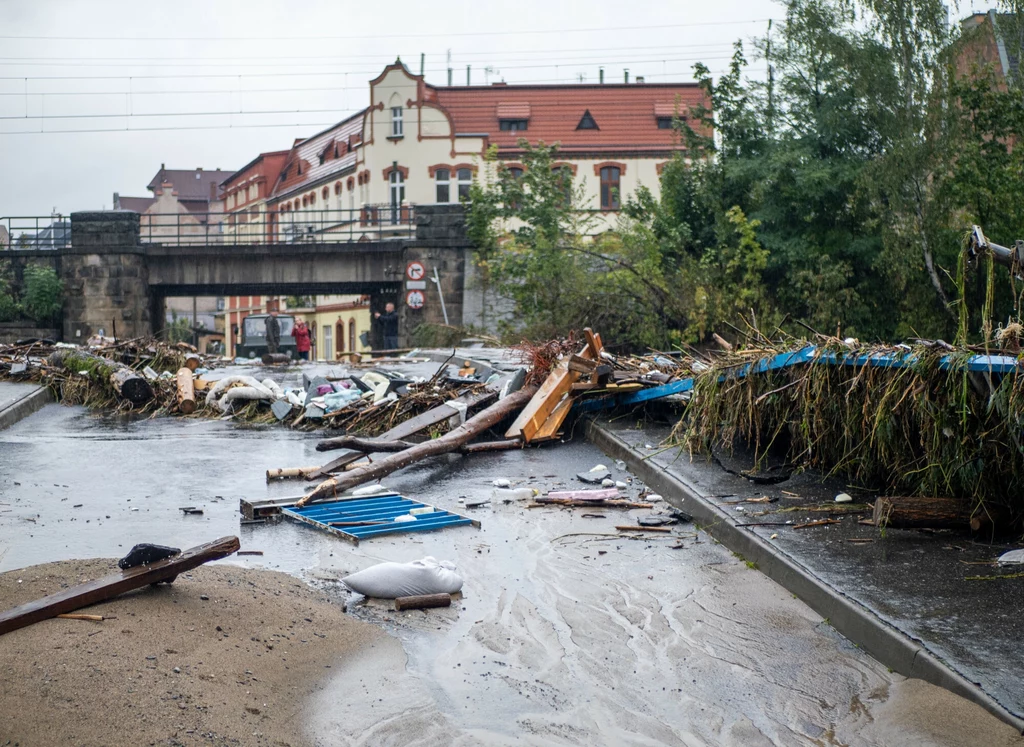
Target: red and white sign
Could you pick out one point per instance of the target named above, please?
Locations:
(414, 299)
(415, 271)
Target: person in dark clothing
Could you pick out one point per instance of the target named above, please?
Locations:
(273, 333)
(389, 326)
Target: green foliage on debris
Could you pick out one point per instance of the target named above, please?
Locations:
(179, 329)
(835, 194)
(43, 294)
(928, 429)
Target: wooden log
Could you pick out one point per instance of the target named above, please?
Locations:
(272, 358)
(111, 586)
(80, 616)
(124, 381)
(451, 441)
(373, 445)
(584, 495)
(410, 427)
(193, 361)
(423, 601)
(186, 391)
(901, 512)
(287, 473)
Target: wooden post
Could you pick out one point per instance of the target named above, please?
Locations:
(186, 391)
(192, 361)
(423, 602)
(902, 512)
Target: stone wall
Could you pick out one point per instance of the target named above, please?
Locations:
(11, 332)
(105, 278)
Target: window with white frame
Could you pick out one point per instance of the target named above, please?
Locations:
(443, 179)
(465, 180)
(396, 121)
(396, 181)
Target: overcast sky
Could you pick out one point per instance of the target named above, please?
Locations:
(212, 83)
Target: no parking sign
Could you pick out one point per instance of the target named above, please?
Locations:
(414, 299)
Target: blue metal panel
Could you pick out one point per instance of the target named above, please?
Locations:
(383, 508)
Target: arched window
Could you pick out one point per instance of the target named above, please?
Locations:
(443, 177)
(610, 188)
(337, 188)
(312, 198)
(305, 200)
(326, 192)
(340, 335)
(352, 335)
(396, 180)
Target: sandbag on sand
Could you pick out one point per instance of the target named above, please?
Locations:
(392, 580)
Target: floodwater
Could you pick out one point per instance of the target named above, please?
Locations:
(566, 632)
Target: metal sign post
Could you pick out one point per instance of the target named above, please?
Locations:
(440, 293)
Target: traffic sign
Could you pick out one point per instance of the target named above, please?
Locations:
(414, 299)
(415, 270)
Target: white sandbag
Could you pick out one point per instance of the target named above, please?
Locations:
(272, 386)
(391, 580)
(244, 393)
(223, 384)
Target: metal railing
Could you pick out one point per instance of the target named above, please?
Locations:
(366, 223)
(50, 232)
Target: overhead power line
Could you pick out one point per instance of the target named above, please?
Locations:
(308, 38)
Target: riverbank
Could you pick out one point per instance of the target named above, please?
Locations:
(223, 656)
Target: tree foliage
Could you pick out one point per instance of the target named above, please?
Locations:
(836, 192)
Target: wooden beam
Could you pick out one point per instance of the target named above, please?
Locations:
(410, 427)
(111, 586)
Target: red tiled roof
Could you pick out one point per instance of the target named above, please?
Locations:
(625, 114)
(270, 161)
(136, 204)
(507, 110)
(307, 154)
(190, 185)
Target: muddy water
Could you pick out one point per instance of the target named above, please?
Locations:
(564, 635)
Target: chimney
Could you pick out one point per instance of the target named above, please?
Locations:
(626, 72)
(117, 201)
(449, 77)
(600, 75)
(467, 75)
(639, 79)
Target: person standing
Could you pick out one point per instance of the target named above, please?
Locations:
(301, 333)
(388, 326)
(273, 332)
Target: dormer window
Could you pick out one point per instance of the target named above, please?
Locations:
(587, 122)
(513, 125)
(396, 121)
(664, 123)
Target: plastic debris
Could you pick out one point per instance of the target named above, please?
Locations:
(844, 498)
(502, 482)
(1014, 557)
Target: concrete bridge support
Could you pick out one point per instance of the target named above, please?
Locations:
(105, 277)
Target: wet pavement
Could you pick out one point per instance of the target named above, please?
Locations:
(566, 633)
(939, 588)
(11, 392)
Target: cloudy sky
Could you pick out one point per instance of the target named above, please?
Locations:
(95, 95)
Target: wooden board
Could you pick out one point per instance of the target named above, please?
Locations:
(111, 586)
(410, 427)
(556, 386)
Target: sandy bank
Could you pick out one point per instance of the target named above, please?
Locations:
(173, 668)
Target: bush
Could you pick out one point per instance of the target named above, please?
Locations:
(43, 295)
(10, 309)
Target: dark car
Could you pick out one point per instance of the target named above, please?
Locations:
(253, 342)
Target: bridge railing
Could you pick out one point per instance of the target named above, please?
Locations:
(255, 226)
(51, 232)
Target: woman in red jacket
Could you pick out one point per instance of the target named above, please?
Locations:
(301, 334)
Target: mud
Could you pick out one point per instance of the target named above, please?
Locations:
(564, 635)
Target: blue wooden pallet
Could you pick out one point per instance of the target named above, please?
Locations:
(997, 365)
(376, 508)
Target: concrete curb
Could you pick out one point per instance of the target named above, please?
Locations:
(24, 407)
(886, 643)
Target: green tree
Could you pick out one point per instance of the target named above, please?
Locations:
(43, 294)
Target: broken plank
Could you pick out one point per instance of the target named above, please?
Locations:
(410, 427)
(644, 529)
(115, 584)
(545, 403)
(584, 495)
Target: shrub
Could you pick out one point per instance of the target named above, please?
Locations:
(43, 294)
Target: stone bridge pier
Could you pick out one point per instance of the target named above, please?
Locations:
(115, 284)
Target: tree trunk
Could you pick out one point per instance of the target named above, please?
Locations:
(117, 376)
(269, 358)
(451, 441)
(186, 391)
(374, 446)
(902, 512)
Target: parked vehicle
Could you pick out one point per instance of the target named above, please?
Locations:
(254, 336)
